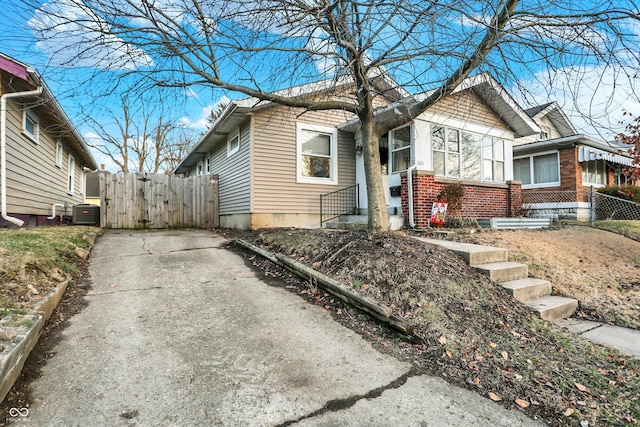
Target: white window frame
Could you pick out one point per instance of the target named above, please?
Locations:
(207, 165)
(585, 182)
(232, 147)
(59, 153)
(409, 148)
(28, 115)
(461, 158)
(199, 168)
(333, 159)
(71, 175)
(531, 170)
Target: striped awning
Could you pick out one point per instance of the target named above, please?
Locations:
(586, 154)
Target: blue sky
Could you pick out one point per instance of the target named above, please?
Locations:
(591, 95)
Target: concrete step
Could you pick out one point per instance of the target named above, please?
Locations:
(504, 271)
(528, 289)
(473, 254)
(553, 308)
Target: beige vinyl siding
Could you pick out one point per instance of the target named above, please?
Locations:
(467, 106)
(34, 182)
(547, 125)
(234, 173)
(275, 187)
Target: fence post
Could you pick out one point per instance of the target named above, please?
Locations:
(592, 207)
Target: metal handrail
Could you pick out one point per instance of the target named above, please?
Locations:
(339, 202)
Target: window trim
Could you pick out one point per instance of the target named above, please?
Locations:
(333, 162)
(531, 169)
(230, 149)
(391, 138)
(71, 175)
(59, 153)
(26, 114)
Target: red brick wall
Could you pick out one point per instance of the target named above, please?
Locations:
(480, 201)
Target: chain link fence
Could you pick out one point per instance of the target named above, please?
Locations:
(585, 205)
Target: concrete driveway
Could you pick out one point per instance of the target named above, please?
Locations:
(179, 331)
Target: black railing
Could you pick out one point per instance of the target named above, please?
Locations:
(341, 202)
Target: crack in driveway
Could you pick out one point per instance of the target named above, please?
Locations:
(337, 405)
(115, 291)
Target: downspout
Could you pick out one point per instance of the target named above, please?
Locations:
(53, 210)
(3, 151)
(412, 223)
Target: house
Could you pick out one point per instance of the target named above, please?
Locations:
(42, 156)
(558, 166)
(274, 162)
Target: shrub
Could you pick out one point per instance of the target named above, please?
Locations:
(625, 192)
(453, 194)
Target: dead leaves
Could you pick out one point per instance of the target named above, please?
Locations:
(522, 403)
(505, 355)
(569, 412)
(494, 397)
(582, 388)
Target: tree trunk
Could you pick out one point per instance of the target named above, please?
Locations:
(377, 204)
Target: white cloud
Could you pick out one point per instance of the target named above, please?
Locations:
(202, 123)
(594, 98)
(74, 36)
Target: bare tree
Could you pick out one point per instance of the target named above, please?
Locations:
(256, 47)
(147, 141)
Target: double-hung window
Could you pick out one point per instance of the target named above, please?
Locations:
(460, 154)
(540, 170)
(401, 149)
(31, 126)
(317, 154)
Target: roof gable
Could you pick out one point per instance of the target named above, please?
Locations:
(555, 115)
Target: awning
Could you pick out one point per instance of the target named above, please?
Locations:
(586, 154)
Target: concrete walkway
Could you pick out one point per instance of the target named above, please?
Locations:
(179, 331)
(624, 339)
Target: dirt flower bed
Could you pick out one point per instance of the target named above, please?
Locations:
(599, 268)
(474, 334)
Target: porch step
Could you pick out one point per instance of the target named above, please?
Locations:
(553, 308)
(527, 289)
(473, 254)
(504, 271)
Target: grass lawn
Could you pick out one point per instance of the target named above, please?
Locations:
(627, 228)
(34, 261)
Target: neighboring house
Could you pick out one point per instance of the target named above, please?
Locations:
(43, 158)
(274, 162)
(559, 165)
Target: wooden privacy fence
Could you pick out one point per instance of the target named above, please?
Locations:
(131, 200)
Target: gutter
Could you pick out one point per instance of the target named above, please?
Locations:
(3, 151)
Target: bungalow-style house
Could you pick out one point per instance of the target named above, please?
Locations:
(558, 166)
(42, 156)
(274, 162)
